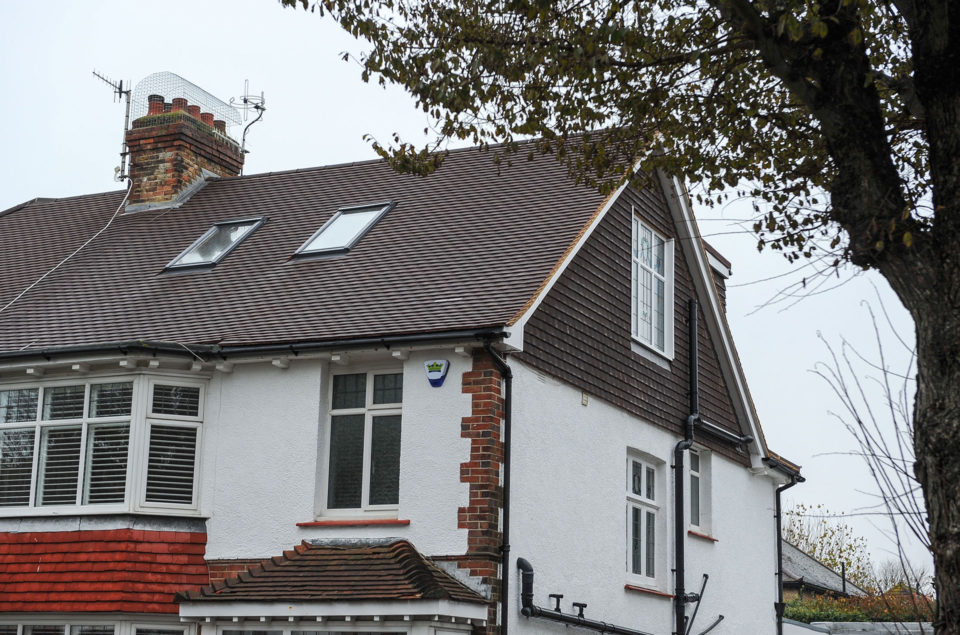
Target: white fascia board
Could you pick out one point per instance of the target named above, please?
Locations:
(515, 341)
(717, 326)
(366, 608)
(723, 270)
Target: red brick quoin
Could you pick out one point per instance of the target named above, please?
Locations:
(126, 570)
(481, 518)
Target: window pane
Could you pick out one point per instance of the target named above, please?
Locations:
(636, 543)
(59, 465)
(106, 477)
(63, 402)
(646, 304)
(345, 480)
(694, 500)
(637, 478)
(694, 462)
(385, 461)
(658, 313)
(658, 254)
(181, 401)
(343, 229)
(43, 629)
(8, 629)
(162, 631)
(651, 542)
(646, 236)
(651, 482)
(111, 400)
(349, 391)
(16, 466)
(91, 630)
(18, 405)
(220, 239)
(388, 388)
(170, 467)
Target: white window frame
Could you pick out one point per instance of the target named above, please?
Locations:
(638, 324)
(139, 423)
(646, 505)
(369, 411)
(701, 525)
(121, 627)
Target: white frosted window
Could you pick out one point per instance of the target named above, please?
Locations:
(216, 243)
(343, 231)
(642, 511)
(651, 286)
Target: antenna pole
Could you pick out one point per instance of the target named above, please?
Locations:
(121, 170)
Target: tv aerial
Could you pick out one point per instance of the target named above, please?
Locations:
(119, 172)
(249, 103)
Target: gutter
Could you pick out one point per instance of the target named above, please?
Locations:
(211, 351)
(507, 374)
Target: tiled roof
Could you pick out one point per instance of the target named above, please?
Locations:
(465, 248)
(374, 570)
(112, 570)
(802, 569)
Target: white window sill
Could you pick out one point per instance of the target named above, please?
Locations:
(651, 354)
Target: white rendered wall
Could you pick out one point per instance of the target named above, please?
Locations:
(262, 469)
(569, 519)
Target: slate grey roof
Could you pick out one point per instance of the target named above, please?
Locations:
(802, 569)
(465, 248)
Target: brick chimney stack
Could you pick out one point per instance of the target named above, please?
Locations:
(171, 147)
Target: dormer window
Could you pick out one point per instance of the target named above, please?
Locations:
(344, 229)
(214, 245)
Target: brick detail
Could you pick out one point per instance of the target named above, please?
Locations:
(481, 517)
(125, 570)
(220, 570)
(169, 151)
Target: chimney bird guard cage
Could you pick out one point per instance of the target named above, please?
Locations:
(167, 92)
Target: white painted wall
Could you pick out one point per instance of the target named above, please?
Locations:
(261, 472)
(569, 519)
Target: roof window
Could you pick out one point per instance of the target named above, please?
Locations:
(219, 240)
(345, 229)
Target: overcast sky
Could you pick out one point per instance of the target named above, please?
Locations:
(61, 134)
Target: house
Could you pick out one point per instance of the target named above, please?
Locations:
(346, 400)
(805, 575)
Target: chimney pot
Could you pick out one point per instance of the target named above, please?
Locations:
(207, 118)
(179, 103)
(194, 111)
(220, 125)
(154, 104)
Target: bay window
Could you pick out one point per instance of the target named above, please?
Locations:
(77, 445)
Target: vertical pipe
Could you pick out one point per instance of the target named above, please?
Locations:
(779, 605)
(680, 594)
(507, 375)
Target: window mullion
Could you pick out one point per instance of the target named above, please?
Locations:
(367, 459)
(82, 469)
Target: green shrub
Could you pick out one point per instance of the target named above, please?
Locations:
(904, 608)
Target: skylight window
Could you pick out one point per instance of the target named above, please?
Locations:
(345, 229)
(210, 248)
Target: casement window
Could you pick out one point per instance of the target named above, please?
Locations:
(363, 442)
(643, 509)
(98, 445)
(652, 288)
(699, 489)
(87, 626)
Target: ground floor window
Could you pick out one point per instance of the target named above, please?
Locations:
(58, 625)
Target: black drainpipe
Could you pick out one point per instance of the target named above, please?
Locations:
(794, 479)
(680, 598)
(528, 609)
(507, 375)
